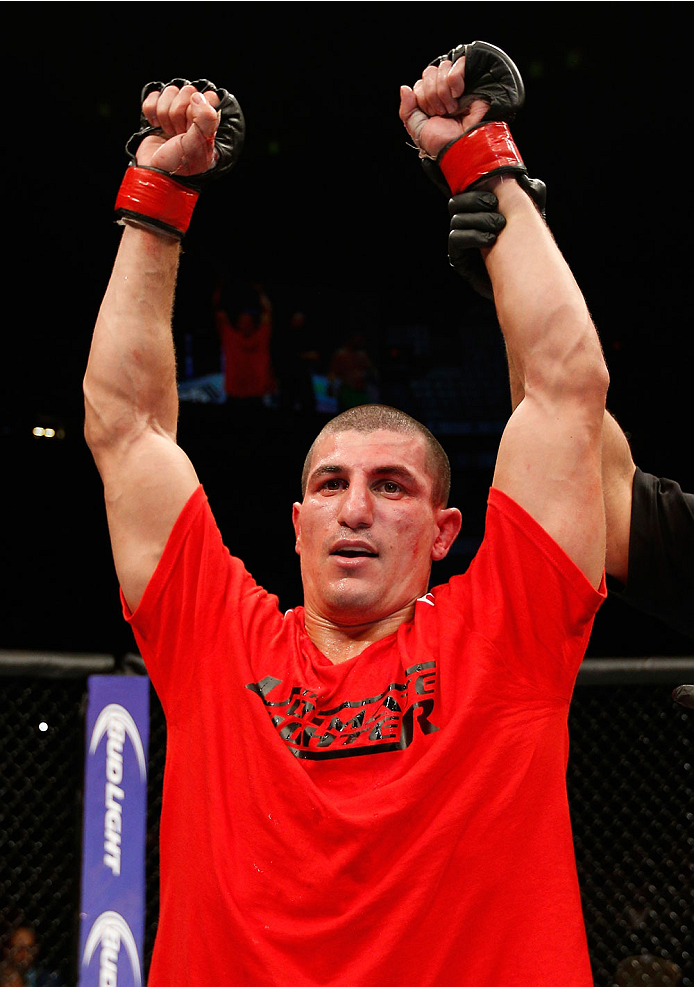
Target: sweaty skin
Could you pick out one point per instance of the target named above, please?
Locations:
(367, 533)
(549, 455)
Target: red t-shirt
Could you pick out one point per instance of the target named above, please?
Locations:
(247, 358)
(398, 818)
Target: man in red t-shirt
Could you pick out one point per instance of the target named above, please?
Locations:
(371, 786)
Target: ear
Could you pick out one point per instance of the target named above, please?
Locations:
(449, 521)
(296, 510)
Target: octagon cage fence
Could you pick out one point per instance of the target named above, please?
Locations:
(630, 781)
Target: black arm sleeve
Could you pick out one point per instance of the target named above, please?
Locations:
(661, 552)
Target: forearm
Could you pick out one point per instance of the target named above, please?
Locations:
(551, 343)
(130, 382)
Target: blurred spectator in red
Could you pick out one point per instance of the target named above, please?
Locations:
(243, 319)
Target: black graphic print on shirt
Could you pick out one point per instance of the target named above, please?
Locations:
(375, 725)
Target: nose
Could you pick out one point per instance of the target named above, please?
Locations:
(356, 508)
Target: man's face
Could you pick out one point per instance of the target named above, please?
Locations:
(367, 529)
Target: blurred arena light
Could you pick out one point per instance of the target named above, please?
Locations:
(47, 432)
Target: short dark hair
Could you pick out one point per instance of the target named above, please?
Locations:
(370, 418)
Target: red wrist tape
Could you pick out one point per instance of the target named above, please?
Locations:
(482, 151)
(157, 199)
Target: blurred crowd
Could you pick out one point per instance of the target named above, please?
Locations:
(311, 352)
(297, 368)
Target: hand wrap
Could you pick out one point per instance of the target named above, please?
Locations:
(485, 150)
(152, 198)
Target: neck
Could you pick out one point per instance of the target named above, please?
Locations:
(340, 642)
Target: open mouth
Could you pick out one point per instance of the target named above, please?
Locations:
(355, 553)
(353, 550)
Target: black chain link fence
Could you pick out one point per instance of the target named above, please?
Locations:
(41, 773)
(630, 785)
(631, 788)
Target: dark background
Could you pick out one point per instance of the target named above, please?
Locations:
(329, 209)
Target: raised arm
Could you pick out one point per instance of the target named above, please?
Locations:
(131, 404)
(549, 458)
(550, 452)
(475, 224)
(618, 470)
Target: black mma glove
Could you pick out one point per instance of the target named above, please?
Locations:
(489, 75)
(155, 199)
(487, 149)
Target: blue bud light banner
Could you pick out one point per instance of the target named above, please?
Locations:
(112, 914)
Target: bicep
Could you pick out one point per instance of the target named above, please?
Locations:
(147, 483)
(549, 463)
